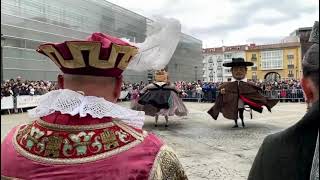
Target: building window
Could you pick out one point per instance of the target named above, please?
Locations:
(271, 60)
(254, 57)
(290, 74)
(290, 61)
(228, 56)
(210, 60)
(253, 68)
(290, 56)
(254, 75)
(211, 74)
(210, 67)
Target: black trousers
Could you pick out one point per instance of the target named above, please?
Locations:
(241, 110)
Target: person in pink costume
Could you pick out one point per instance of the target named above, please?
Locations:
(79, 132)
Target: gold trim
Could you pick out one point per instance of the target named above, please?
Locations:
(156, 164)
(134, 133)
(104, 155)
(94, 49)
(167, 166)
(76, 62)
(9, 178)
(129, 52)
(60, 127)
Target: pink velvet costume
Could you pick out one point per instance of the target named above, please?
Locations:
(134, 163)
(85, 137)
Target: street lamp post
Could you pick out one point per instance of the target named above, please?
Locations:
(3, 39)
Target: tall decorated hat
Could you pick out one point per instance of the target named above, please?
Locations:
(99, 55)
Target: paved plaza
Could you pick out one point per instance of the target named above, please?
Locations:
(210, 149)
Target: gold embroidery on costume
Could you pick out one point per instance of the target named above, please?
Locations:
(53, 146)
(64, 144)
(167, 166)
(109, 140)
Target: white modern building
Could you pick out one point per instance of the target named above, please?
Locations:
(25, 24)
(212, 65)
(213, 58)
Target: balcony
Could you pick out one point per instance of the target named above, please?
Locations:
(210, 68)
(253, 59)
(254, 68)
(290, 75)
(290, 66)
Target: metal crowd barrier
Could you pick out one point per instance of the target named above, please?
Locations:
(19, 102)
(285, 95)
(208, 96)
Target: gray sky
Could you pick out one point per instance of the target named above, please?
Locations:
(231, 21)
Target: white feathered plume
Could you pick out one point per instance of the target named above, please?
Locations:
(157, 49)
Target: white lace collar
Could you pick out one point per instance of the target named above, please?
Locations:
(70, 102)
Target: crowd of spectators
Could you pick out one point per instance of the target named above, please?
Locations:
(195, 89)
(18, 86)
(278, 85)
(208, 90)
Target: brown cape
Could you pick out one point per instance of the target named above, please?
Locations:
(227, 103)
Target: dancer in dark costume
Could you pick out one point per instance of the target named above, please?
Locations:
(235, 95)
(161, 98)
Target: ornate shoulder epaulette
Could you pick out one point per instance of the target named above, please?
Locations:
(167, 166)
(65, 144)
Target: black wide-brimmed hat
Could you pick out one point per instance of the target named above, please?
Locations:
(237, 62)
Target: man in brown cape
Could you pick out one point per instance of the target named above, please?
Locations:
(234, 95)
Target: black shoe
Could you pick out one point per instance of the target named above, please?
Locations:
(243, 125)
(166, 126)
(155, 125)
(235, 126)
